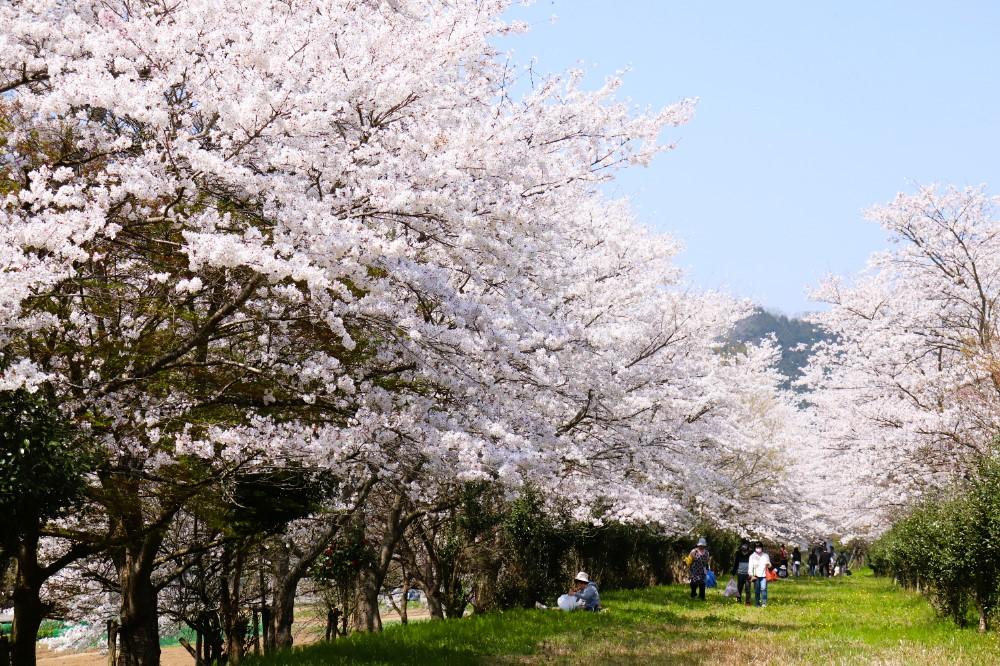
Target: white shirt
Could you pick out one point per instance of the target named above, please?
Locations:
(759, 564)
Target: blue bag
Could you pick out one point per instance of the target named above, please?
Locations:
(710, 578)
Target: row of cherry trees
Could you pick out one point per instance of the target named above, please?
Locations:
(291, 274)
(908, 391)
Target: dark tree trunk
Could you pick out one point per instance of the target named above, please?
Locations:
(29, 611)
(268, 629)
(283, 609)
(28, 616)
(283, 600)
(454, 605)
(234, 621)
(139, 630)
(112, 643)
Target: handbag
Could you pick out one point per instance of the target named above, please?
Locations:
(771, 575)
(710, 579)
(731, 588)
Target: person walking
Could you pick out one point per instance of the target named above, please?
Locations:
(813, 562)
(796, 561)
(741, 569)
(700, 564)
(759, 564)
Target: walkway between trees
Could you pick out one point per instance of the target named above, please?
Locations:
(855, 620)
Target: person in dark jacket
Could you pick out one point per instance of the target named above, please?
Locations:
(741, 569)
(824, 563)
(796, 561)
(842, 563)
(813, 562)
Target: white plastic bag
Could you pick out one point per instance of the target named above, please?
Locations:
(731, 589)
(566, 602)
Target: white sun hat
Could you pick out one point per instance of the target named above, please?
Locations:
(582, 577)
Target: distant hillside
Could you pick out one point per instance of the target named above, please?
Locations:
(790, 334)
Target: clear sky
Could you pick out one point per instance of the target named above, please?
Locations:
(809, 113)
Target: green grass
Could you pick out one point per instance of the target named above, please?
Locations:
(856, 620)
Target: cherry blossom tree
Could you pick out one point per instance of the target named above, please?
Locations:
(908, 391)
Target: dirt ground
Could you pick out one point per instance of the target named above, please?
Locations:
(171, 656)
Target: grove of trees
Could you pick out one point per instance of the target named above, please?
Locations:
(329, 295)
(330, 291)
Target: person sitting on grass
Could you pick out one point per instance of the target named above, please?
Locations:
(586, 593)
(582, 595)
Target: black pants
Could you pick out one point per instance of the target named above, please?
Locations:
(743, 587)
(699, 586)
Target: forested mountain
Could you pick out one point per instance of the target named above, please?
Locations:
(794, 336)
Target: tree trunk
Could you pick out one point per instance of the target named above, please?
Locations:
(267, 625)
(366, 613)
(112, 643)
(284, 587)
(285, 583)
(29, 611)
(434, 605)
(984, 622)
(486, 588)
(139, 629)
(405, 601)
(234, 622)
(28, 616)
(283, 614)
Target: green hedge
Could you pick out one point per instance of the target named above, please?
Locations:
(948, 547)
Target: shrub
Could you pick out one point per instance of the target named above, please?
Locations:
(948, 547)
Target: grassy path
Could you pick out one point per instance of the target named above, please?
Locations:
(856, 620)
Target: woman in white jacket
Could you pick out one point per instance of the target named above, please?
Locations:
(760, 562)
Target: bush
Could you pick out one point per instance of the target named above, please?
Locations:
(948, 547)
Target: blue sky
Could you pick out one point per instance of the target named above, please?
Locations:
(809, 113)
